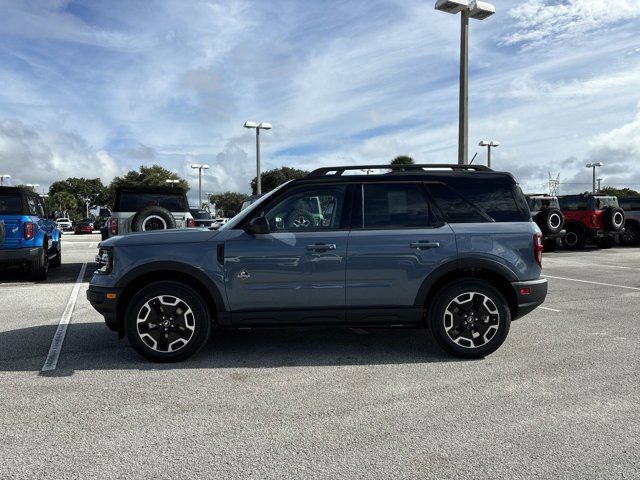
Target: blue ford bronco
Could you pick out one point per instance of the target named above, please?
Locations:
(28, 238)
(447, 248)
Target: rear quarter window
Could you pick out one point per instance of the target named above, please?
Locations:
(10, 204)
(573, 203)
(134, 202)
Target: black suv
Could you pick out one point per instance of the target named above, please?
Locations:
(545, 211)
(447, 247)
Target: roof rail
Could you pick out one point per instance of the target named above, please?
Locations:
(319, 172)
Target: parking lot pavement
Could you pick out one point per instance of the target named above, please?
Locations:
(560, 399)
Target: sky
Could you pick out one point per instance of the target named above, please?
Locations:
(94, 89)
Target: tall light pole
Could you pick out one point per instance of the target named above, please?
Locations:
(479, 11)
(258, 127)
(489, 144)
(594, 166)
(199, 167)
(599, 180)
(2, 178)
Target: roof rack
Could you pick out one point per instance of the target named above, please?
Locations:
(319, 172)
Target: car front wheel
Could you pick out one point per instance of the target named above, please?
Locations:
(167, 322)
(470, 318)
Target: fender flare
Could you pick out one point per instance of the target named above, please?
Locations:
(460, 264)
(177, 267)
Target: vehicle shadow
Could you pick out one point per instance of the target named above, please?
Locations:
(65, 273)
(90, 346)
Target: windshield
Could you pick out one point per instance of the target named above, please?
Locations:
(134, 202)
(244, 213)
(201, 215)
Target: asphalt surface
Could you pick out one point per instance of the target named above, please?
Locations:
(560, 399)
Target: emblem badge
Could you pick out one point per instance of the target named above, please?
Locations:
(243, 275)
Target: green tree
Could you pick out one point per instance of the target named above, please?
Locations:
(62, 201)
(402, 160)
(276, 177)
(620, 192)
(153, 176)
(84, 190)
(228, 202)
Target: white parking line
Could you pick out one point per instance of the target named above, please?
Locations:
(56, 344)
(594, 283)
(550, 309)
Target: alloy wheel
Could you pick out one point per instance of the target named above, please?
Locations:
(154, 222)
(471, 320)
(165, 323)
(301, 222)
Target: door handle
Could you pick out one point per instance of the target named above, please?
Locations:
(424, 245)
(321, 246)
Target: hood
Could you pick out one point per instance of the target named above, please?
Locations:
(161, 237)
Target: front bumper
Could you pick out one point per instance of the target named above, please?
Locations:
(530, 295)
(19, 255)
(105, 301)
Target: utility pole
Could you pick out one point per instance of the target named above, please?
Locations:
(199, 167)
(258, 127)
(554, 185)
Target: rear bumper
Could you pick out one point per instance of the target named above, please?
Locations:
(19, 255)
(105, 306)
(530, 295)
(595, 233)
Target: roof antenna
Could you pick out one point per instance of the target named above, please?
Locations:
(474, 157)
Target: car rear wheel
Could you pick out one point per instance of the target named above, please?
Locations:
(470, 318)
(631, 236)
(39, 268)
(167, 322)
(57, 260)
(574, 239)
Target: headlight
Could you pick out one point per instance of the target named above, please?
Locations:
(104, 259)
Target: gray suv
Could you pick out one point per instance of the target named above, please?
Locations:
(444, 247)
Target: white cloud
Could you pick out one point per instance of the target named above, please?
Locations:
(540, 21)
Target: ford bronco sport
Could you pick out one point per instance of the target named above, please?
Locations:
(31, 239)
(594, 218)
(545, 211)
(445, 247)
(139, 209)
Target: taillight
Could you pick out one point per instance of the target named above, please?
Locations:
(29, 230)
(191, 223)
(113, 226)
(537, 248)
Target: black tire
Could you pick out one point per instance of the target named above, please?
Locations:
(574, 239)
(38, 269)
(104, 233)
(614, 219)
(630, 236)
(550, 221)
(486, 306)
(606, 242)
(300, 220)
(153, 340)
(57, 260)
(152, 218)
(550, 244)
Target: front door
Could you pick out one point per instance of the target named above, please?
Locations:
(399, 242)
(296, 273)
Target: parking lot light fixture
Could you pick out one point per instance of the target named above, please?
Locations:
(258, 127)
(3, 177)
(479, 11)
(35, 186)
(489, 144)
(172, 182)
(594, 166)
(199, 167)
(599, 180)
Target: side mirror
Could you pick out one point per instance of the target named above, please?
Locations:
(259, 226)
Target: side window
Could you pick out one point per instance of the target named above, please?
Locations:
(311, 209)
(397, 205)
(573, 203)
(41, 208)
(33, 209)
(454, 207)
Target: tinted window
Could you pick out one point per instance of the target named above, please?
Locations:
(629, 203)
(540, 203)
(33, 208)
(318, 208)
(396, 205)
(10, 204)
(134, 202)
(456, 209)
(201, 214)
(573, 203)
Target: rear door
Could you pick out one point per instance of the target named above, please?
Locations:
(296, 273)
(396, 241)
(11, 212)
